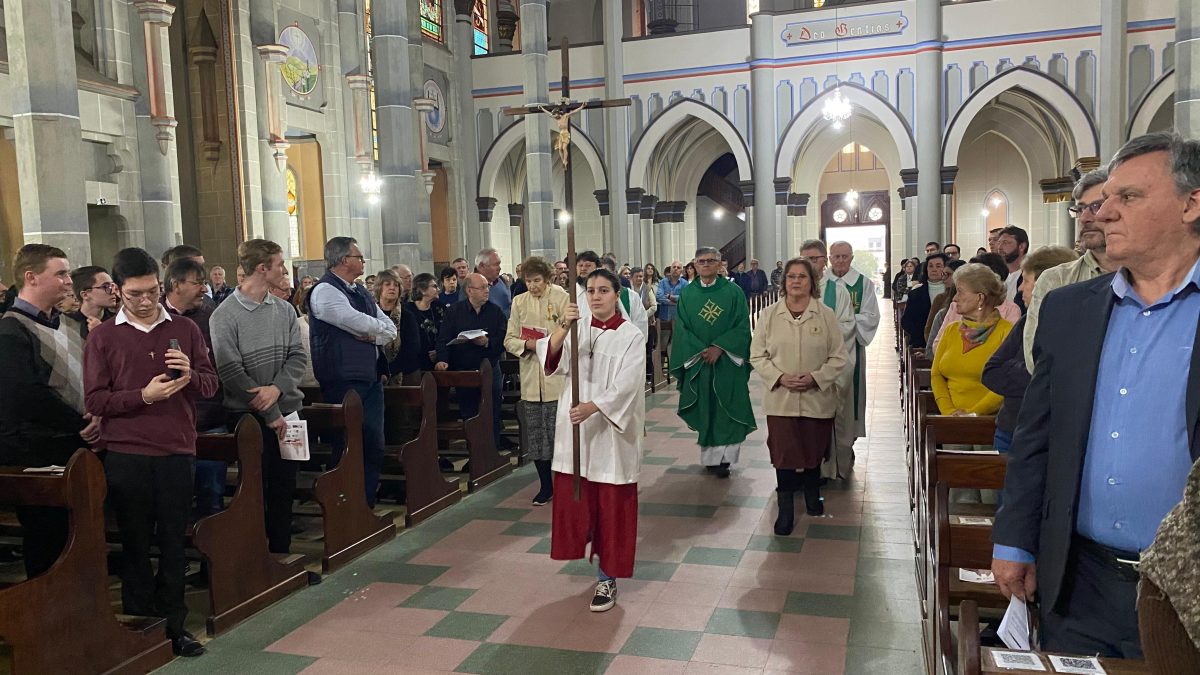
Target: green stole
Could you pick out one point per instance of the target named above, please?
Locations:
(625, 300)
(831, 294)
(856, 296)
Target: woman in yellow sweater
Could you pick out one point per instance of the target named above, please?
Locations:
(969, 343)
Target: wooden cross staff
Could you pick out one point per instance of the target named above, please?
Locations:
(562, 111)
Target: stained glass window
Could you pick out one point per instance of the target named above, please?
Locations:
(479, 21)
(293, 210)
(370, 31)
(431, 19)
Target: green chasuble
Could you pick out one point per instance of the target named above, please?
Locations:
(713, 399)
(856, 298)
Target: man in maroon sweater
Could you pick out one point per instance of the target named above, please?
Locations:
(146, 392)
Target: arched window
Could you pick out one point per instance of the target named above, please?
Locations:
(995, 210)
(293, 211)
(432, 20)
(479, 21)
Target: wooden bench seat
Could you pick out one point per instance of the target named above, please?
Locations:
(427, 491)
(486, 463)
(62, 621)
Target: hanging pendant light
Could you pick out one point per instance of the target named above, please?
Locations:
(837, 109)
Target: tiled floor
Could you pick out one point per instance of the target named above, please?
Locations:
(715, 592)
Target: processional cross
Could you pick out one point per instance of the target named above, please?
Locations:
(561, 112)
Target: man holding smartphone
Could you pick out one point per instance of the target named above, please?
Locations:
(260, 358)
(143, 372)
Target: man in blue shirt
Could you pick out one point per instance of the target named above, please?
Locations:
(1107, 432)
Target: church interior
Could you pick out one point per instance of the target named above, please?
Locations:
(645, 131)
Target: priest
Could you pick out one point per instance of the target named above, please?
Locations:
(610, 414)
(710, 360)
(836, 297)
(850, 424)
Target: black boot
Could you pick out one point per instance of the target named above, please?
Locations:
(786, 521)
(811, 480)
(547, 479)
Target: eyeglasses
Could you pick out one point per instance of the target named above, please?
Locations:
(360, 257)
(140, 296)
(1077, 210)
(108, 287)
(707, 261)
(813, 258)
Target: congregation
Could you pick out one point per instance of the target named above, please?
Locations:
(1084, 358)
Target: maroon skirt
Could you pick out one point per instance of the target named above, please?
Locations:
(798, 442)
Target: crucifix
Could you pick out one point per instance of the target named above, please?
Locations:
(561, 112)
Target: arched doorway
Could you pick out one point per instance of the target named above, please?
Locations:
(856, 208)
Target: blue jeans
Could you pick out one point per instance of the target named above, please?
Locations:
(210, 481)
(371, 394)
(1002, 441)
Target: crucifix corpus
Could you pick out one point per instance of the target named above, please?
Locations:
(561, 112)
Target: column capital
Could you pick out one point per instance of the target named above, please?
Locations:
(909, 179)
(797, 203)
(633, 199)
(155, 11)
(486, 206)
(1084, 165)
(1056, 190)
(948, 175)
(272, 53)
(359, 82)
(202, 54)
(516, 215)
(602, 201)
(782, 187)
(647, 207)
(747, 188)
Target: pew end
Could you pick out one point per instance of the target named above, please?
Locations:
(427, 491)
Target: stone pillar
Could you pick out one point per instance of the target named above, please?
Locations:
(157, 157)
(1112, 104)
(360, 159)
(474, 236)
(761, 227)
(397, 122)
(798, 219)
(627, 242)
(653, 235)
(946, 191)
(928, 124)
(45, 110)
(272, 145)
(633, 223)
(539, 166)
(1187, 70)
(420, 187)
(783, 229)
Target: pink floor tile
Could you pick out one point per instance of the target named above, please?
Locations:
(807, 657)
(830, 548)
(807, 581)
(819, 629)
(438, 653)
(826, 564)
(683, 593)
(697, 668)
(779, 579)
(346, 645)
(703, 574)
(343, 667)
(755, 599)
(730, 650)
(639, 665)
(676, 617)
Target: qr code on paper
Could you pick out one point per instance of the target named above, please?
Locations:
(1076, 665)
(1018, 660)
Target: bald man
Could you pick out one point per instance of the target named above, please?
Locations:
(404, 272)
(477, 313)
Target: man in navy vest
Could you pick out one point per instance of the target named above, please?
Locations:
(346, 332)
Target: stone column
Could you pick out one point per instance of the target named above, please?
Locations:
(928, 125)
(1187, 70)
(652, 235)
(272, 145)
(633, 223)
(45, 109)
(397, 122)
(627, 242)
(157, 157)
(760, 220)
(420, 189)
(783, 229)
(946, 191)
(539, 166)
(360, 158)
(1112, 104)
(474, 236)
(798, 217)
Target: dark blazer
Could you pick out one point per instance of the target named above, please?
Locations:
(1045, 463)
(1005, 374)
(916, 313)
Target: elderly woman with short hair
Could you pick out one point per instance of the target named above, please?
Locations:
(398, 352)
(969, 342)
(798, 351)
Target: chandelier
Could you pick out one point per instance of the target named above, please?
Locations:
(836, 109)
(851, 197)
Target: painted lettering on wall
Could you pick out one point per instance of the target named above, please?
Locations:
(868, 25)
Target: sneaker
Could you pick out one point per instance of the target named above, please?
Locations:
(606, 596)
(542, 498)
(722, 471)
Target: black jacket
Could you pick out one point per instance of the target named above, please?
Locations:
(1005, 374)
(1045, 463)
(916, 313)
(462, 316)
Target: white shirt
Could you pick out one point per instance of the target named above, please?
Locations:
(331, 305)
(866, 321)
(163, 315)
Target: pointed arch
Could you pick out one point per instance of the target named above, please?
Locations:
(675, 115)
(1152, 101)
(514, 135)
(810, 118)
(1048, 92)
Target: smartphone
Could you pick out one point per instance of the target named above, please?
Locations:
(174, 373)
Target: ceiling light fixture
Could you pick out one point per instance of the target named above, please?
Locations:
(837, 109)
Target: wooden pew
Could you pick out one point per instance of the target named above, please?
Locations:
(976, 660)
(426, 490)
(487, 464)
(351, 527)
(63, 621)
(510, 404)
(243, 575)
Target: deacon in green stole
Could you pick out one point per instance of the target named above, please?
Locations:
(836, 297)
(710, 360)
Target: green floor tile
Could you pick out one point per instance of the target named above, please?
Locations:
(406, 573)
(658, 460)
(884, 567)
(685, 434)
(746, 501)
(524, 529)
(720, 557)
(743, 622)
(862, 660)
(224, 660)
(467, 626)
(436, 597)
(542, 547)
(651, 570)
(498, 659)
(498, 513)
(661, 643)
(579, 568)
(677, 510)
(763, 542)
(819, 604)
(842, 532)
(884, 634)
(685, 468)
